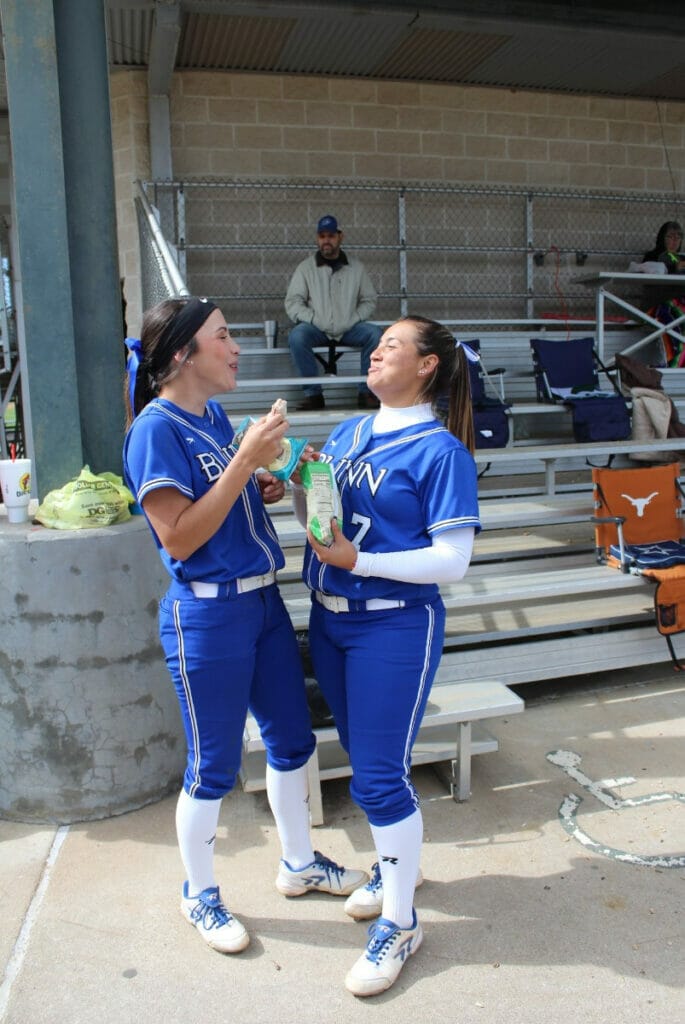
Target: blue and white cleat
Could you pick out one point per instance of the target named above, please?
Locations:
(367, 901)
(217, 926)
(388, 949)
(322, 875)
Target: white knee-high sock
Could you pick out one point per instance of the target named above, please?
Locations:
(399, 854)
(288, 795)
(196, 822)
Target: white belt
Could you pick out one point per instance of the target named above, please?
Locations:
(340, 604)
(244, 586)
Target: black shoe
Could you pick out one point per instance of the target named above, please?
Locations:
(311, 402)
(365, 400)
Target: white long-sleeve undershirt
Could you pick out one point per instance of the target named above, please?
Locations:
(445, 560)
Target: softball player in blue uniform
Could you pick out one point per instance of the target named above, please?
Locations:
(410, 511)
(228, 641)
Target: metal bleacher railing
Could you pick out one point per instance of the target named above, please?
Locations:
(478, 252)
(159, 271)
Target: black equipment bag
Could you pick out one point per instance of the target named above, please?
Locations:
(491, 424)
(600, 419)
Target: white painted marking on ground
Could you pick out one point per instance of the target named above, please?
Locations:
(569, 761)
(18, 954)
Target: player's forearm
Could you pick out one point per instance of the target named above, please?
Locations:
(445, 561)
(199, 520)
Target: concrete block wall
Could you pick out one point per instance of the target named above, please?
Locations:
(131, 153)
(256, 126)
(249, 125)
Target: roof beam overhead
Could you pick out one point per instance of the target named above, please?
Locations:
(579, 47)
(166, 32)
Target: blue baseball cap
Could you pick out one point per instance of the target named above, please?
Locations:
(327, 223)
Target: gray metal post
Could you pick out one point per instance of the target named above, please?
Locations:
(39, 212)
(91, 217)
(530, 270)
(402, 239)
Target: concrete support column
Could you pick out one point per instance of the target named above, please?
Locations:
(89, 721)
(64, 212)
(39, 211)
(82, 65)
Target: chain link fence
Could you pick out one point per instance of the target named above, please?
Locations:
(453, 253)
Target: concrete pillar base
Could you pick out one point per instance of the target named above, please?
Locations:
(89, 723)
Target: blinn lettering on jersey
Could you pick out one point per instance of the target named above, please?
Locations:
(211, 466)
(357, 473)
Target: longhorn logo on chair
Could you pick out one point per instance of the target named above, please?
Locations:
(640, 504)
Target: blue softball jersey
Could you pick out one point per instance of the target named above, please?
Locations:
(398, 491)
(169, 447)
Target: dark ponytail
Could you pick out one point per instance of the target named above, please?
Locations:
(450, 381)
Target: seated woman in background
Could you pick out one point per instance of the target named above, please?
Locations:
(669, 307)
(666, 248)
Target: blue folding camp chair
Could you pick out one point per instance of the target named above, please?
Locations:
(490, 419)
(568, 372)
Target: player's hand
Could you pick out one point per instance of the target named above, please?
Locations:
(263, 440)
(271, 487)
(308, 455)
(341, 553)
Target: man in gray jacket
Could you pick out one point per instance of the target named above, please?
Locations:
(329, 297)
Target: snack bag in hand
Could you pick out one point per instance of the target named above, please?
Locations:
(323, 500)
(285, 464)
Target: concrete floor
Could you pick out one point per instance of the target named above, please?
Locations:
(523, 921)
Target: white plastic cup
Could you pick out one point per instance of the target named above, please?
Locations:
(270, 333)
(15, 483)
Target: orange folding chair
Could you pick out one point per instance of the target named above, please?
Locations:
(639, 521)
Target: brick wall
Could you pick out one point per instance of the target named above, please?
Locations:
(128, 98)
(240, 125)
(250, 126)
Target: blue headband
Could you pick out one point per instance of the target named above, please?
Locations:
(180, 330)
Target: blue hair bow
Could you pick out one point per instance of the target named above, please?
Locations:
(135, 358)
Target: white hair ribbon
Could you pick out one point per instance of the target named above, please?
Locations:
(470, 353)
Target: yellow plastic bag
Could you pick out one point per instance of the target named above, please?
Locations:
(92, 499)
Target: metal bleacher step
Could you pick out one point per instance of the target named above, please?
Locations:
(451, 730)
(512, 590)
